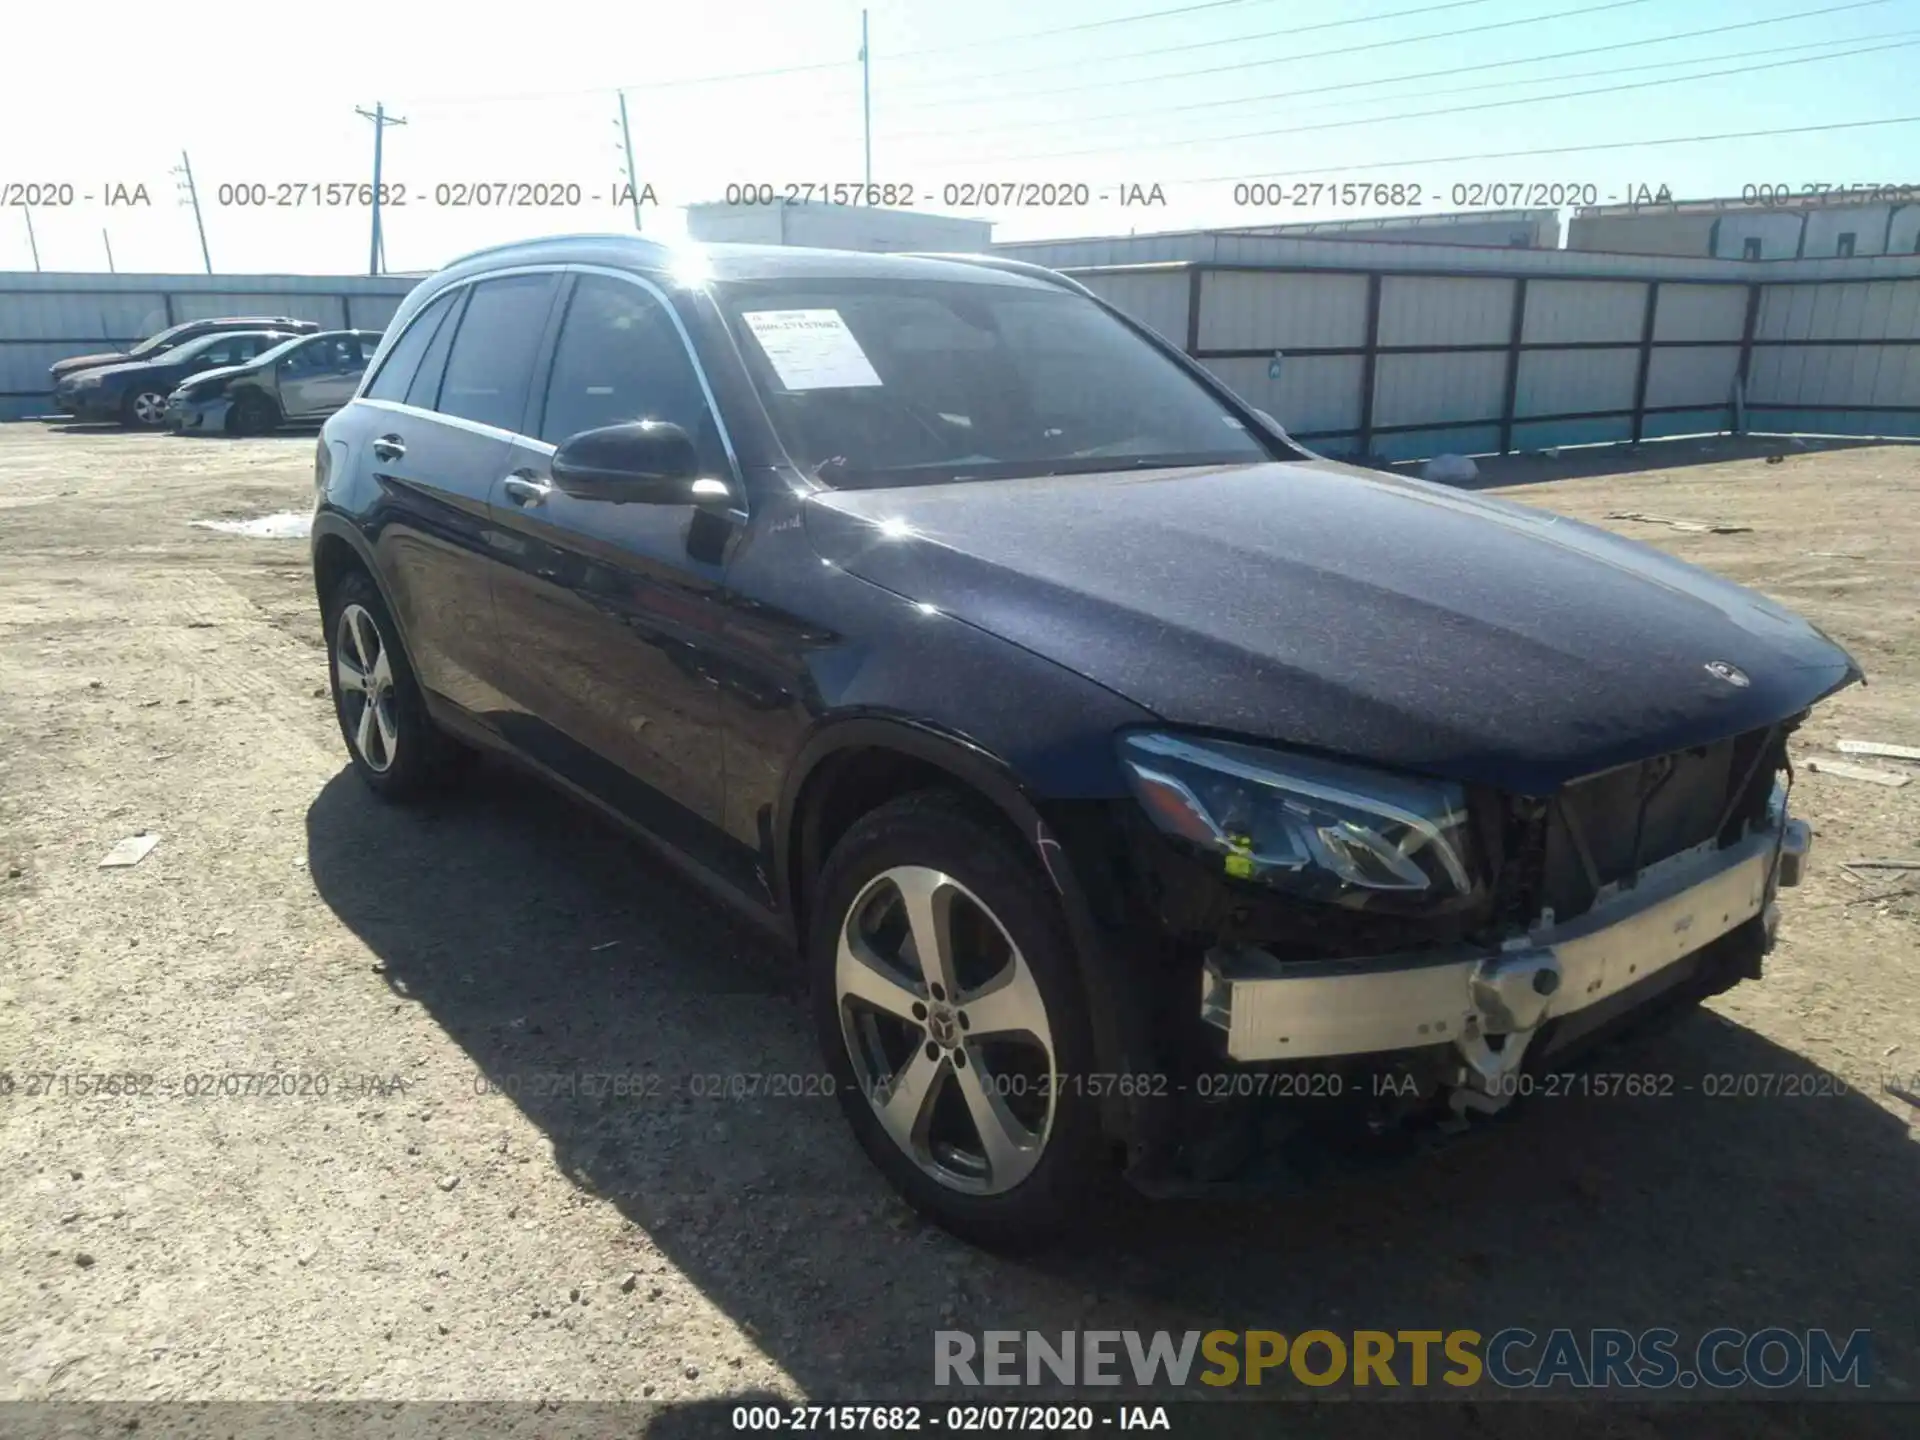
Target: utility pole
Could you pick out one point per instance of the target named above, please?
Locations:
(380, 120)
(626, 144)
(32, 244)
(193, 199)
(866, 95)
(107, 241)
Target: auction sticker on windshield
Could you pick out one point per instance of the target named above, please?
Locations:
(811, 349)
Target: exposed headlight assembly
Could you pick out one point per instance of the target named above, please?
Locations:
(1330, 831)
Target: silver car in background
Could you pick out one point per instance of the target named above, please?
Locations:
(304, 379)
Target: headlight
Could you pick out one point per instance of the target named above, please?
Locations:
(85, 380)
(1329, 831)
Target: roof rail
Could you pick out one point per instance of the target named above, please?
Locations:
(1012, 267)
(662, 252)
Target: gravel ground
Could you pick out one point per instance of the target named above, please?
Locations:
(445, 1222)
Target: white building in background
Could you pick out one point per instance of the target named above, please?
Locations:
(1804, 227)
(837, 227)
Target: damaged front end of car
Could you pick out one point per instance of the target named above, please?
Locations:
(1345, 960)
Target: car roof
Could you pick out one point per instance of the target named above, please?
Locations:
(229, 334)
(737, 262)
(241, 322)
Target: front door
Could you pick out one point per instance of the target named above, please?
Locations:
(320, 376)
(609, 612)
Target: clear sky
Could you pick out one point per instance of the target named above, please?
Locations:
(110, 93)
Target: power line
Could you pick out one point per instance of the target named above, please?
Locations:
(1079, 62)
(1657, 65)
(1158, 50)
(1452, 70)
(1292, 59)
(1118, 20)
(1564, 150)
(1447, 110)
(819, 65)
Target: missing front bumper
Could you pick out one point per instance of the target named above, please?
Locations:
(1470, 997)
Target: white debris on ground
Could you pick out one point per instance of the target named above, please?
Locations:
(1450, 470)
(282, 525)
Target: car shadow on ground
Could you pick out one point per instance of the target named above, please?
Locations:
(543, 941)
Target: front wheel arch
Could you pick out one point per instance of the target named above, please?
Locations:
(935, 759)
(248, 399)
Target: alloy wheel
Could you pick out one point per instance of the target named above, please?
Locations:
(149, 407)
(947, 1030)
(364, 675)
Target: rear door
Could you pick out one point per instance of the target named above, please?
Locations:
(437, 452)
(610, 613)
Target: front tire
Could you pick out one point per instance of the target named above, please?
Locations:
(950, 1014)
(144, 410)
(252, 414)
(394, 745)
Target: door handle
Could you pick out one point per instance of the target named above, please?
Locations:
(389, 447)
(525, 490)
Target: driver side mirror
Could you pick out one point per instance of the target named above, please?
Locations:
(640, 462)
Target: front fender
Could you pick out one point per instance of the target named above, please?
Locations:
(1116, 1007)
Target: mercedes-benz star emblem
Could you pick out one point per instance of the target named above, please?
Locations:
(1732, 674)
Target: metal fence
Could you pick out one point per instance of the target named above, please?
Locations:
(47, 317)
(1362, 348)
(1405, 361)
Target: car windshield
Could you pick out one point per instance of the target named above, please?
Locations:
(186, 350)
(280, 351)
(154, 344)
(880, 382)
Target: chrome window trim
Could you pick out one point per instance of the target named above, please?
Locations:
(693, 357)
(459, 422)
(738, 477)
(453, 288)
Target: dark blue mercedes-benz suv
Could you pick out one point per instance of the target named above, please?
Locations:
(1134, 785)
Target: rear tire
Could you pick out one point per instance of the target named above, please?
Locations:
(394, 745)
(966, 1090)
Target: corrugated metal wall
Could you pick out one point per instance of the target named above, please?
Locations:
(1417, 350)
(1410, 356)
(47, 317)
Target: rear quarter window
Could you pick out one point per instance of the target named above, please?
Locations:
(403, 361)
(491, 364)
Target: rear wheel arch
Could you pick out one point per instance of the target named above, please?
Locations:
(338, 551)
(333, 557)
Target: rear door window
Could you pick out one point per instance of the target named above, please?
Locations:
(403, 361)
(491, 364)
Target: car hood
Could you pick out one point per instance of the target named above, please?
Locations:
(73, 364)
(128, 369)
(1348, 611)
(223, 374)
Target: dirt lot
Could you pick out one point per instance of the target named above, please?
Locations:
(419, 1233)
